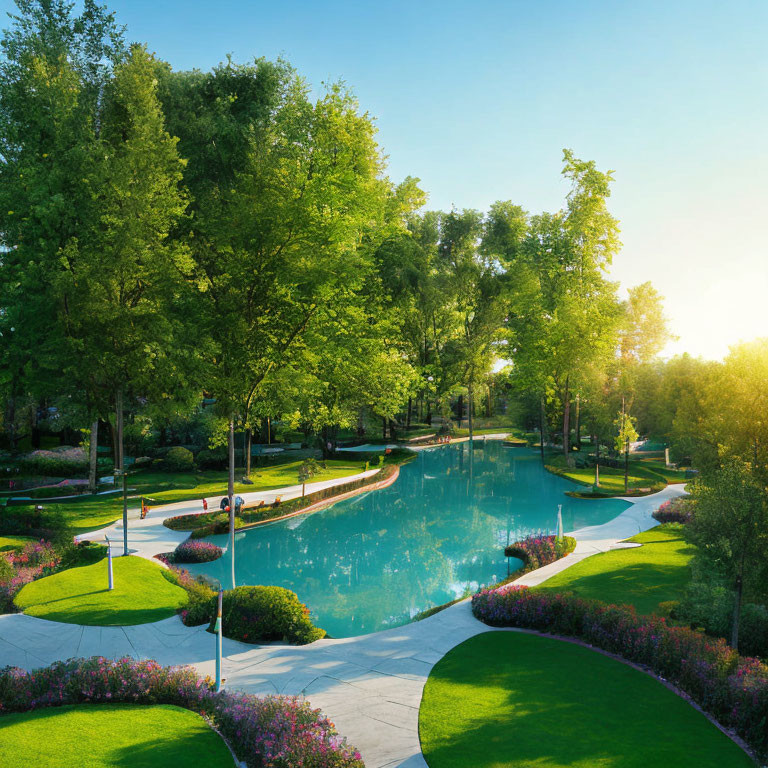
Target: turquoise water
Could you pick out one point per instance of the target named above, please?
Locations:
(375, 560)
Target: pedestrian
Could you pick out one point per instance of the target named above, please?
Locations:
(205, 505)
(224, 504)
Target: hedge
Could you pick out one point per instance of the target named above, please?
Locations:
(212, 523)
(264, 732)
(732, 688)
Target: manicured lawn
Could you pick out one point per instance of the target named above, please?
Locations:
(91, 735)
(8, 543)
(644, 577)
(516, 700)
(611, 480)
(80, 595)
(168, 487)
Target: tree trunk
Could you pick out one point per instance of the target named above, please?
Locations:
(269, 431)
(429, 412)
(542, 422)
(93, 454)
(578, 424)
(408, 417)
(488, 410)
(460, 409)
(567, 423)
(469, 413)
(119, 458)
(231, 495)
(597, 461)
(248, 452)
(384, 427)
(736, 614)
(626, 446)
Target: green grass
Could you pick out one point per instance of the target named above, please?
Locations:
(517, 700)
(644, 577)
(97, 735)
(8, 543)
(641, 477)
(660, 468)
(169, 487)
(80, 595)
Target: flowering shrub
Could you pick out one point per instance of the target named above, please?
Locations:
(200, 606)
(537, 551)
(35, 560)
(252, 614)
(733, 689)
(679, 510)
(196, 552)
(269, 732)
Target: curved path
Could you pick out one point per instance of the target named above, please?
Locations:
(370, 686)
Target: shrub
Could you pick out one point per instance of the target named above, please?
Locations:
(538, 551)
(215, 458)
(268, 732)
(81, 553)
(196, 552)
(679, 510)
(179, 459)
(709, 606)
(733, 689)
(44, 523)
(199, 608)
(252, 614)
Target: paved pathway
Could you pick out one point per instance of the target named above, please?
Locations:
(370, 686)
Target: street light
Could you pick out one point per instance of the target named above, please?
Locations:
(124, 474)
(110, 577)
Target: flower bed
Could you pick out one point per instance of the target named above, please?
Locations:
(35, 560)
(268, 732)
(196, 552)
(733, 689)
(679, 510)
(538, 551)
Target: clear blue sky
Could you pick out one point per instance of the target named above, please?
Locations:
(478, 100)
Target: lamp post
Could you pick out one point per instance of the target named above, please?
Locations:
(110, 577)
(218, 629)
(124, 475)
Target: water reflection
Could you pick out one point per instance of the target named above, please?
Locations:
(375, 560)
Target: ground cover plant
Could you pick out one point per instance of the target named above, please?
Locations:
(196, 552)
(268, 732)
(645, 577)
(118, 734)
(80, 595)
(733, 689)
(518, 700)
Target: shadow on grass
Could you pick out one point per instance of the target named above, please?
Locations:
(521, 701)
(107, 617)
(643, 585)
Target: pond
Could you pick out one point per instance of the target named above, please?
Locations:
(375, 560)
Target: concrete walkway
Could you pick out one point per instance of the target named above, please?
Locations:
(370, 686)
(149, 537)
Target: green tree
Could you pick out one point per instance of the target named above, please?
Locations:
(730, 529)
